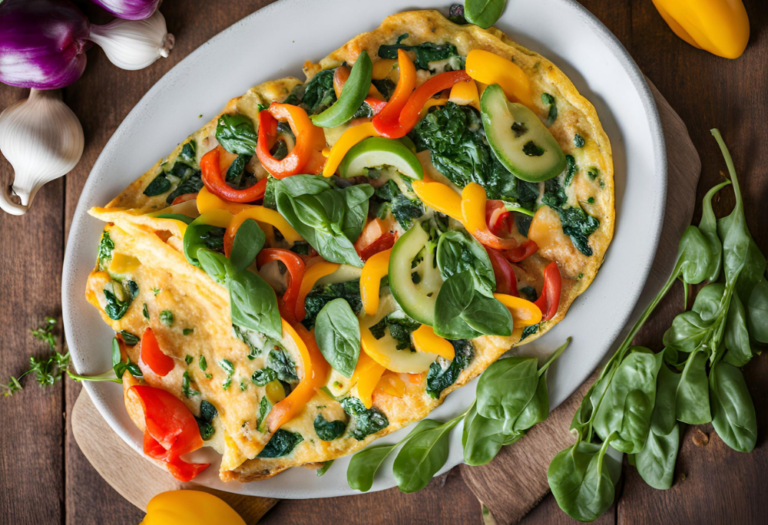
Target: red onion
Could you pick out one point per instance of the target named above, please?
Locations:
(42, 43)
(129, 9)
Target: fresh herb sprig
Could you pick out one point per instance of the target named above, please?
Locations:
(640, 401)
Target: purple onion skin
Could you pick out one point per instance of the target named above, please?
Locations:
(129, 9)
(42, 43)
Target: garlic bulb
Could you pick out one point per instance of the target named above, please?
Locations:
(43, 140)
(134, 44)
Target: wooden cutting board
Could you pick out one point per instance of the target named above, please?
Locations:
(512, 484)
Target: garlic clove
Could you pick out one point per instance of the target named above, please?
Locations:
(134, 44)
(43, 140)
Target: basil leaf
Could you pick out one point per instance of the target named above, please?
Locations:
(483, 13)
(249, 240)
(254, 305)
(459, 318)
(733, 412)
(215, 265)
(337, 331)
(236, 134)
(200, 235)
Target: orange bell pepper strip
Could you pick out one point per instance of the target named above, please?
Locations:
(426, 340)
(524, 313)
(370, 280)
(348, 139)
(387, 122)
(549, 301)
(473, 211)
(412, 110)
(171, 431)
(391, 384)
(303, 129)
(212, 178)
(311, 276)
(366, 375)
(262, 215)
(152, 358)
(296, 267)
(314, 370)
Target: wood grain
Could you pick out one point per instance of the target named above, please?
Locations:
(52, 482)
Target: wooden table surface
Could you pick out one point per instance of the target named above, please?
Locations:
(45, 479)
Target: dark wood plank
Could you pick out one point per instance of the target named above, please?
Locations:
(548, 513)
(31, 254)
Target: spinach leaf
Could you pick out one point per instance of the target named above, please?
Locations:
(385, 86)
(265, 407)
(319, 94)
(229, 368)
(483, 13)
(237, 169)
(483, 437)
(529, 330)
(733, 412)
(215, 265)
(254, 304)
(551, 103)
(337, 331)
(120, 366)
(582, 478)
(405, 209)
(691, 400)
(578, 141)
(708, 228)
(627, 405)
(366, 421)
(459, 252)
(236, 134)
(576, 223)
(263, 376)
(319, 296)
(204, 422)
(200, 235)
(329, 430)
(656, 462)
(422, 456)
(425, 53)
(322, 470)
(698, 260)
(249, 240)
(280, 362)
(106, 245)
(128, 338)
(280, 444)
(757, 312)
(190, 181)
(158, 186)
(736, 335)
(664, 417)
(536, 410)
(463, 312)
(443, 373)
(400, 328)
(506, 387)
(166, 317)
(687, 332)
(115, 308)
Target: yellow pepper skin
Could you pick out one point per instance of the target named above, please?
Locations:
(440, 197)
(465, 93)
(490, 68)
(431, 103)
(524, 313)
(718, 26)
(348, 139)
(207, 201)
(189, 507)
(426, 340)
(367, 375)
(261, 214)
(370, 280)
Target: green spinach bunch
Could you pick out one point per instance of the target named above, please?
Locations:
(641, 400)
(425, 53)
(330, 219)
(459, 150)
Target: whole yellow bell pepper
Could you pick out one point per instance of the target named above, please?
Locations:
(189, 507)
(718, 26)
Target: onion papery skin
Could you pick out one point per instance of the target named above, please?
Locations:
(129, 9)
(42, 43)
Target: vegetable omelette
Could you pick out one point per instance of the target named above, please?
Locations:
(323, 262)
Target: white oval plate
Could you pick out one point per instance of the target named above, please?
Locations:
(244, 55)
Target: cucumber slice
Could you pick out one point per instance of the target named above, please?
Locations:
(379, 151)
(416, 300)
(519, 139)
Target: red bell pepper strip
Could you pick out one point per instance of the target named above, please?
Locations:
(412, 110)
(385, 242)
(171, 431)
(151, 357)
(184, 198)
(522, 252)
(386, 123)
(306, 139)
(497, 216)
(376, 104)
(549, 301)
(506, 281)
(296, 267)
(214, 181)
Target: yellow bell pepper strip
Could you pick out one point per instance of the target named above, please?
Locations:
(718, 26)
(490, 68)
(345, 143)
(367, 375)
(382, 68)
(432, 102)
(370, 345)
(425, 340)
(473, 201)
(465, 94)
(440, 197)
(262, 215)
(189, 507)
(207, 201)
(314, 372)
(391, 384)
(370, 280)
(311, 275)
(524, 313)
(387, 122)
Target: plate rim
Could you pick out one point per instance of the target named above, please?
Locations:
(612, 44)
